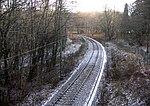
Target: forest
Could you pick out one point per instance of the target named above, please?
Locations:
(33, 35)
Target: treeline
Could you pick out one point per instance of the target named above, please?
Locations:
(33, 34)
(136, 26)
(106, 22)
(32, 37)
(133, 24)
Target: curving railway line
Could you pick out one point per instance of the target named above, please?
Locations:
(80, 89)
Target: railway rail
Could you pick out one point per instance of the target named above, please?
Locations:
(78, 90)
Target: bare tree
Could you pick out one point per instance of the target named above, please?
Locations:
(109, 23)
(32, 36)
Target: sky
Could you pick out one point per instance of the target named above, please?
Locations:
(99, 5)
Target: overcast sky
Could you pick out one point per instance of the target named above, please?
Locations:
(98, 5)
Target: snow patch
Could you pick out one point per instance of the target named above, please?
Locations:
(71, 49)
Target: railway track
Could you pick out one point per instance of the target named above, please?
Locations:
(78, 89)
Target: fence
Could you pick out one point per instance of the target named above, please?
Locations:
(140, 51)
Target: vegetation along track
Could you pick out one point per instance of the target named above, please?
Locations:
(76, 91)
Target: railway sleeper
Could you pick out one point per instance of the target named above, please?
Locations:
(66, 103)
(67, 96)
(66, 100)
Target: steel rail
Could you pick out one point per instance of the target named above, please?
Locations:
(62, 96)
(71, 100)
(71, 82)
(92, 95)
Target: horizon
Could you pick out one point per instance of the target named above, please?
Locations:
(99, 5)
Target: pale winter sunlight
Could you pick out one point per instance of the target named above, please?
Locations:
(99, 5)
(74, 52)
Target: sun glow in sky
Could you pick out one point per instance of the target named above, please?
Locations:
(99, 5)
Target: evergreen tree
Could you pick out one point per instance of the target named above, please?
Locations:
(125, 27)
(141, 21)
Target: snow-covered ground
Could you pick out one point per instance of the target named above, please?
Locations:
(71, 48)
(126, 80)
(39, 97)
(97, 58)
